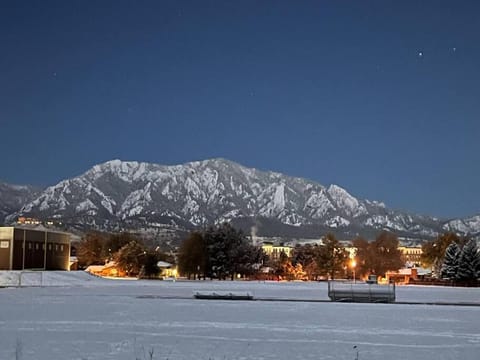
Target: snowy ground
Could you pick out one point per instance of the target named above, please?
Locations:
(76, 316)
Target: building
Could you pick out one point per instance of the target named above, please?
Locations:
(27, 221)
(110, 269)
(274, 251)
(34, 248)
(407, 275)
(167, 270)
(411, 255)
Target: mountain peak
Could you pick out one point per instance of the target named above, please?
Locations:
(351, 205)
(119, 193)
(13, 197)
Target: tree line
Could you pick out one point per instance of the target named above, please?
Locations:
(223, 252)
(453, 258)
(219, 252)
(129, 252)
(331, 260)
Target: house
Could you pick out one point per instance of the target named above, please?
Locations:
(406, 276)
(109, 269)
(167, 270)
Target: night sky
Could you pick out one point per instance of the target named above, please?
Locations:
(379, 97)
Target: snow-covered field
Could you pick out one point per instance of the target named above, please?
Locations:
(76, 316)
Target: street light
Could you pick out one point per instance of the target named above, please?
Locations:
(353, 264)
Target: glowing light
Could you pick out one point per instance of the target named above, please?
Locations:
(353, 264)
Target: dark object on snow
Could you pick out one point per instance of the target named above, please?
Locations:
(361, 292)
(213, 295)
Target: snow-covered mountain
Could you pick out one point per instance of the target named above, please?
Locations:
(469, 225)
(119, 194)
(13, 197)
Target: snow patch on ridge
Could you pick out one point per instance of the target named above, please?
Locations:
(467, 226)
(346, 202)
(337, 221)
(136, 201)
(85, 206)
(318, 205)
(279, 198)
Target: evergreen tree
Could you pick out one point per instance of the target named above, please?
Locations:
(192, 257)
(218, 241)
(150, 268)
(331, 257)
(451, 262)
(469, 262)
(433, 251)
(219, 252)
(478, 263)
(247, 258)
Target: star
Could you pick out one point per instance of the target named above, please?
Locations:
(420, 54)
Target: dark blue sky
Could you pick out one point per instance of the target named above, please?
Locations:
(379, 97)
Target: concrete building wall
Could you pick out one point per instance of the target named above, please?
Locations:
(35, 249)
(6, 247)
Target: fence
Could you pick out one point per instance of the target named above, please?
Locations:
(24, 278)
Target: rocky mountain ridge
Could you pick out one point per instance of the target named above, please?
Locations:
(13, 197)
(128, 194)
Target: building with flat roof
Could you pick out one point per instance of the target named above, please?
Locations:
(411, 255)
(34, 248)
(275, 251)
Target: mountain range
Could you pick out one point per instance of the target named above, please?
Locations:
(13, 197)
(121, 195)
